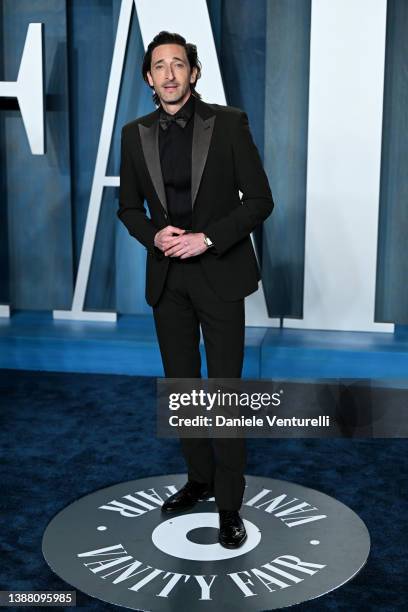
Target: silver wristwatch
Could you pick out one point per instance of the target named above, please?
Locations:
(208, 241)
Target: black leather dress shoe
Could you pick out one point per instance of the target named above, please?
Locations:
(232, 533)
(187, 497)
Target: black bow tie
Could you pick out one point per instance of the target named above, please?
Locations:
(165, 120)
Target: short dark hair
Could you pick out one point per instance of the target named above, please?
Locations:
(163, 38)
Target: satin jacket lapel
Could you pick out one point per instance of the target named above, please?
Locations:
(149, 136)
(204, 119)
(202, 133)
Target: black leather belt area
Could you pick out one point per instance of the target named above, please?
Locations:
(187, 260)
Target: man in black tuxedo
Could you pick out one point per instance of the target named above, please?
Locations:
(188, 160)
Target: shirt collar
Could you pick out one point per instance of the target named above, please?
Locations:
(186, 110)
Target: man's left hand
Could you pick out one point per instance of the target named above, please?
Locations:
(188, 245)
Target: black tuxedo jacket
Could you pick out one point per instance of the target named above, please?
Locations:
(224, 160)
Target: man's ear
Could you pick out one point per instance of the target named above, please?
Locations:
(193, 75)
(149, 78)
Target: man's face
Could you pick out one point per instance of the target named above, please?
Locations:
(170, 73)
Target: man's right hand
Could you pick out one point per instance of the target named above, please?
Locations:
(167, 237)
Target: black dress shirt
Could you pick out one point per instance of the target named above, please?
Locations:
(175, 145)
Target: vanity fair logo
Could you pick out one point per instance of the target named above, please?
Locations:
(122, 549)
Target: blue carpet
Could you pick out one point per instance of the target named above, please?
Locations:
(64, 435)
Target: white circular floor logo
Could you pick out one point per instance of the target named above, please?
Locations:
(171, 537)
(117, 546)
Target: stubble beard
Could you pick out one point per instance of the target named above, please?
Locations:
(177, 100)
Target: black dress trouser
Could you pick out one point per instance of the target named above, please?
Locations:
(187, 302)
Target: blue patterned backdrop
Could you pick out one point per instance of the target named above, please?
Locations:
(44, 199)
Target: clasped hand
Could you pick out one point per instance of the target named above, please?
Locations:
(181, 244)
